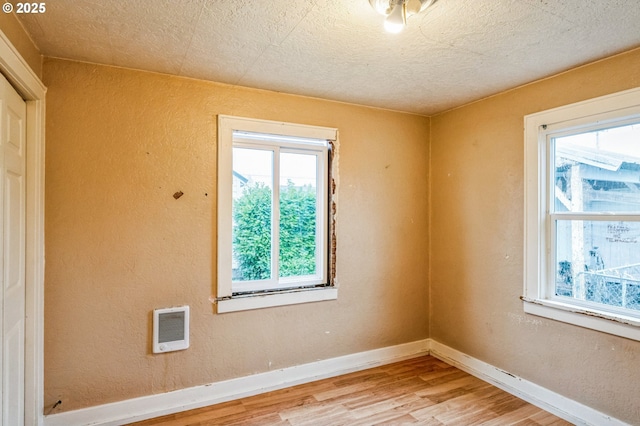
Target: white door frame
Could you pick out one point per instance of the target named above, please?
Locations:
(29, 86)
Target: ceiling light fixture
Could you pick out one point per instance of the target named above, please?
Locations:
(397, 11)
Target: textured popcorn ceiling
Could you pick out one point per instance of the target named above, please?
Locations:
(455, 52)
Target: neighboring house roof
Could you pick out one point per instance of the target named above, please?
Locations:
(607, 160)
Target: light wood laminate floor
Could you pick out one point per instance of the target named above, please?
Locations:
(419, 391)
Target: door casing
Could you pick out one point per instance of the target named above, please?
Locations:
(29, 86)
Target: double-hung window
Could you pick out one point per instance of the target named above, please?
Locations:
(582, 214)
(273, 213)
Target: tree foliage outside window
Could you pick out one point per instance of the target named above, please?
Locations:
(252, 232)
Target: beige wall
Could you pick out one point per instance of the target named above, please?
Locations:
(477, 247)
(120, 143)
(21, 41)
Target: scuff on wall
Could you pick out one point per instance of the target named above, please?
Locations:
(522, 319)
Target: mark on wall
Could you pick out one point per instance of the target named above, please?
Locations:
(520, 319)
(53, 407)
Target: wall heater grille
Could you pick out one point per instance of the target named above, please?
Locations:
(170, 329)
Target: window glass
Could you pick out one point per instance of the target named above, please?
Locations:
(608, 258)
(298, 211)
(598, 172)
(278, 237)
(252, 200)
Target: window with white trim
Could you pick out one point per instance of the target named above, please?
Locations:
(273, 214)
(582, 214)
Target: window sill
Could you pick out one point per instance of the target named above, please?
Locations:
(605, 322)
(268, 300)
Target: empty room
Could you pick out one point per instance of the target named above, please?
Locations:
(321, 212)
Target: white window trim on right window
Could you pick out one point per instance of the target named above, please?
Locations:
(539, 268)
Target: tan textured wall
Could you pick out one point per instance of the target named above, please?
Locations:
(476, 259)
(120, 143)
(21, 41)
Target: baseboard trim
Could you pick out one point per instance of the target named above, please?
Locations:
(147, 407)
(544, 398)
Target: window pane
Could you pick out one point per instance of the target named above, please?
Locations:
(252, 212)
(598, 171)
(599, 261)
(298, 192)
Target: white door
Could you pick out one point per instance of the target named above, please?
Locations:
(13, 113)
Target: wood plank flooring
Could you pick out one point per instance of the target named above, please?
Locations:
(419, 391)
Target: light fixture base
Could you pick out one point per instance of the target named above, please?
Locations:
(384, 7)
(397, 11)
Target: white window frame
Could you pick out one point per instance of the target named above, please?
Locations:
(539, 265)
(312, 289)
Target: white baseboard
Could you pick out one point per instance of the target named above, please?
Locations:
(147, 407)
(550, 401)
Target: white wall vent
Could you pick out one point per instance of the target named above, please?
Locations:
(170, 329)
